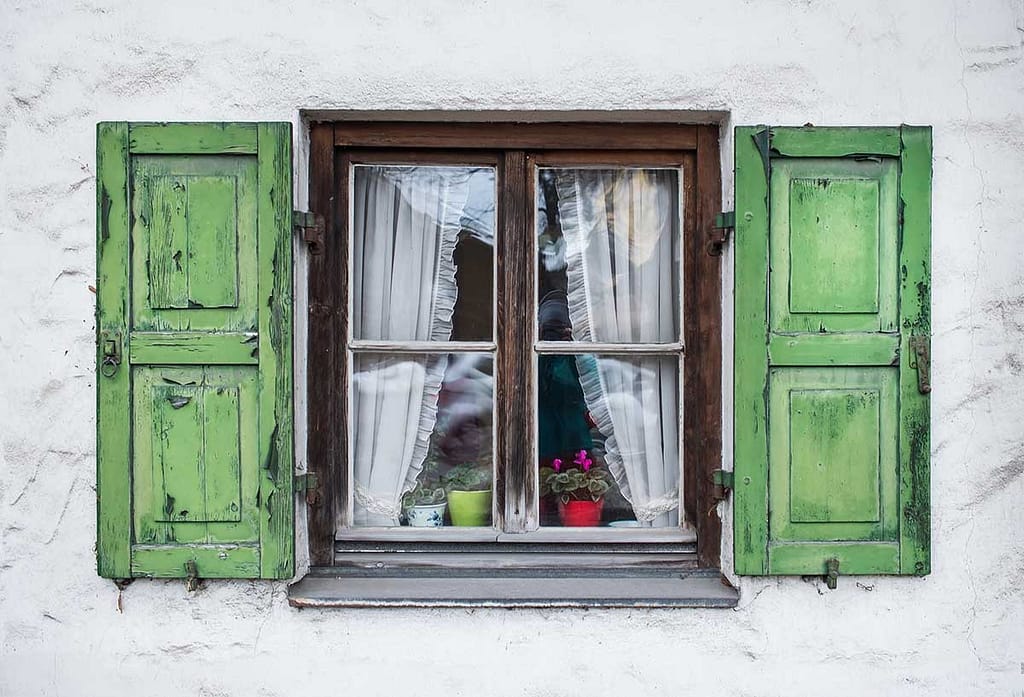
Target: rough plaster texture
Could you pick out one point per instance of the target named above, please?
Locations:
(957, 65)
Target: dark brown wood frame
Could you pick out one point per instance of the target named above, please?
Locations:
(514, 147)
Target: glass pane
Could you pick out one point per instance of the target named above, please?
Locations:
(422, 439)
(608, 245)
(608, 440)
(422, 253)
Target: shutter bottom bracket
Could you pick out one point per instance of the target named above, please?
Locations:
(191, 575)
(832, 573)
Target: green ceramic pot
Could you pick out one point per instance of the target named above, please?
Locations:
(470, 508)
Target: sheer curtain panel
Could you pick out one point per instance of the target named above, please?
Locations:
(621, 229)
(405, 227)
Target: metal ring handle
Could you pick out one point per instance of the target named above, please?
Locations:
(108, 367)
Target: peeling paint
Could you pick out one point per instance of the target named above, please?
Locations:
(957, 632)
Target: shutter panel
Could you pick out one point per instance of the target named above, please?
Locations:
(832, 310)
(194, 327)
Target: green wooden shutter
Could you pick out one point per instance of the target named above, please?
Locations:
(194, 333)
(832, 310)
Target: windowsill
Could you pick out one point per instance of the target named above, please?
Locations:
(445, 580)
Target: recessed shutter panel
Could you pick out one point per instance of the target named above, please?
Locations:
(832, 341)
(194, 350)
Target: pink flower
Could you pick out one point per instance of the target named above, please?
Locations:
(582, 460)
(556, 464)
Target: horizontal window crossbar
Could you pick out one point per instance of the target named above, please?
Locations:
(574, 347)
(363, 346)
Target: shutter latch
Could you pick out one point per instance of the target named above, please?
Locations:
(832, 573)
(922, 361)
(724, 223)
(312, 228)
(307, 482)
(111, 345)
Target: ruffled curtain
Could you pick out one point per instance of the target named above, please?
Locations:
(406, 222)
(622, 253)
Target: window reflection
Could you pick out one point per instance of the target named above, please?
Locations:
(422, 437)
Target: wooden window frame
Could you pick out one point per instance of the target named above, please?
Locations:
(514, 148)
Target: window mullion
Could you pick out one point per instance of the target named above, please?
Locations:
(517, 476)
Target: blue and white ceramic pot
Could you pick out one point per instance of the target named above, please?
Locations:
(426, 516)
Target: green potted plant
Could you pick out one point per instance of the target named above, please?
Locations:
(469, 493)
(424, 506)
(580, 490)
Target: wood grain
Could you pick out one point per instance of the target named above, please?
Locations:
(515, 461)
(516, 136)
(325, 384)
(705, 372)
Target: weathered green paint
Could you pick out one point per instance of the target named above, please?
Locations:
(196, 448)
(833, 245)
(834, 467)
(113, 438)
(194, 230)
(192, 138)
(212, 561)
(915, 307)
(834, 349)
(212, 242)
(168, 240)
(835, 141)
(832, 440)
(834, 227)
(204, 393)
(855, 558)
(275, 349)
(196, 348)
(831, 430)
(750, 365)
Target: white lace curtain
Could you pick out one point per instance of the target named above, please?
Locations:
(406, 223)
(622, 254)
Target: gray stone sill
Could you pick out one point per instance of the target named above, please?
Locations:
(330, 587)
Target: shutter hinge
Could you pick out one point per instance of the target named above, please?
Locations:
(719, 235)
(722, 481)
(312, 228)
(308, 483)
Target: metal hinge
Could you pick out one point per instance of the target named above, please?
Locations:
(307, 482)
(724, 223)
(722, 481)
(312, 228)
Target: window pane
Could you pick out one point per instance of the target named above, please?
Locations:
(608, 245)
(422, 253)
(608, 440)
(422, 433)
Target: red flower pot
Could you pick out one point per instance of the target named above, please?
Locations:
(580, 514)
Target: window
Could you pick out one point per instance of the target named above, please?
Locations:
(530, 308)
(533, 309)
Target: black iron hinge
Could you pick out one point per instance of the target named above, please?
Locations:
(720, 229)
(307, 482)
(312, 228)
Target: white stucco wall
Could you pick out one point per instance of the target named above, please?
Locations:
(957, 65)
